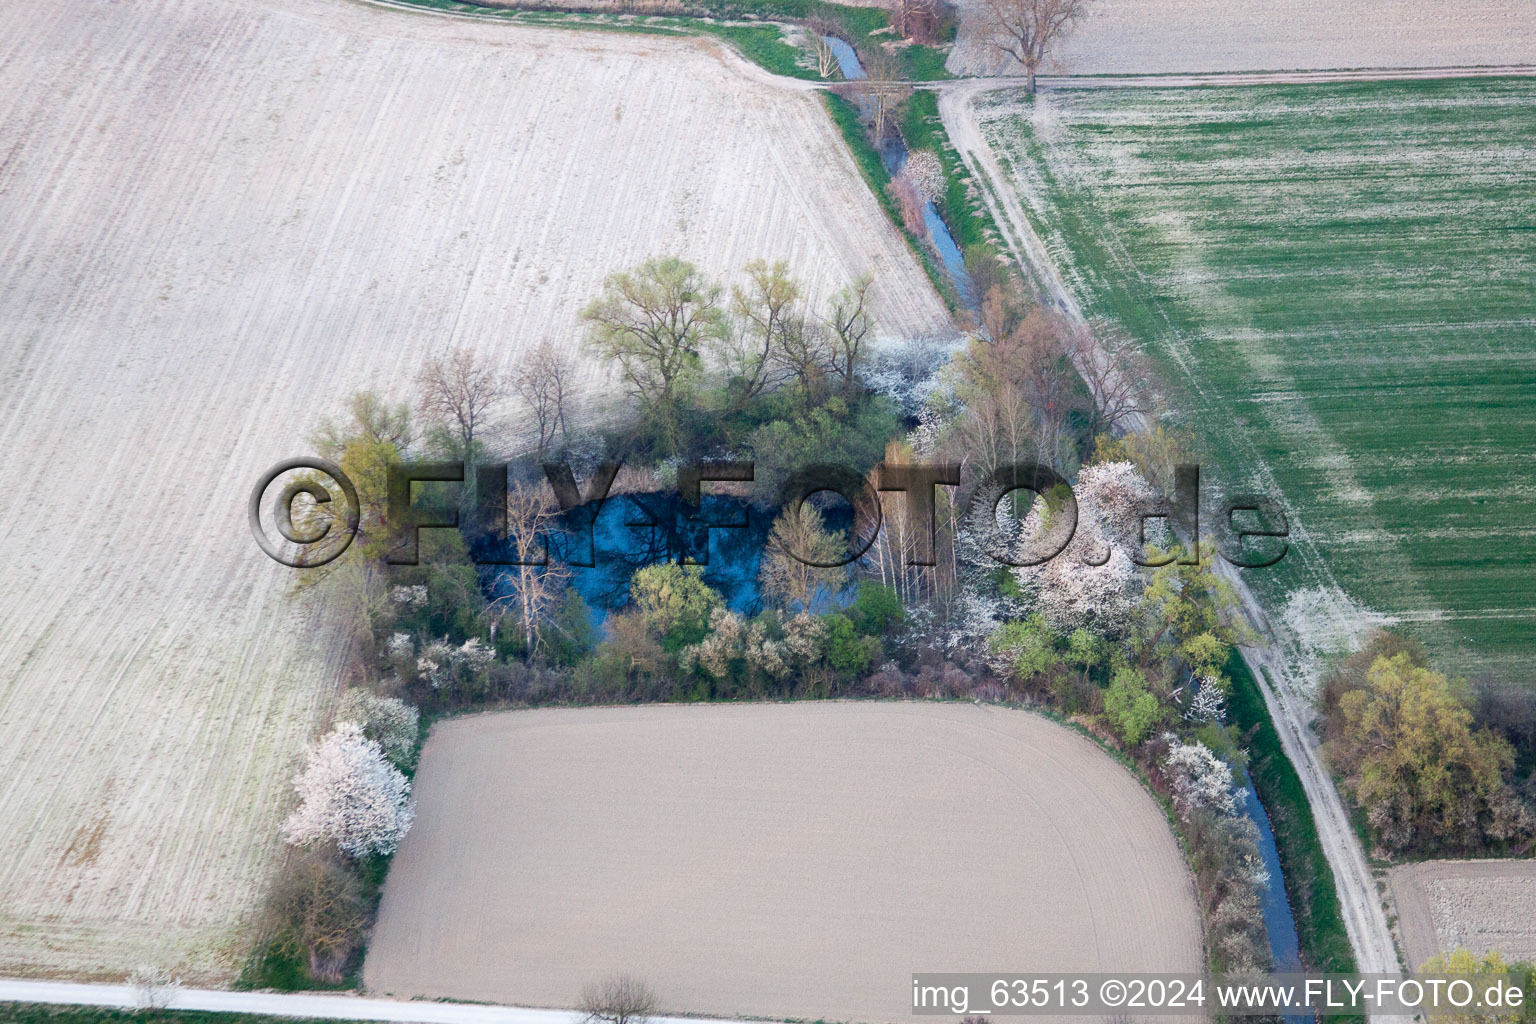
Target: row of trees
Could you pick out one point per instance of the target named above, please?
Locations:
(688, 351)
(1138, 656)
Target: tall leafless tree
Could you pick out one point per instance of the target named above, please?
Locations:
(458, 392)
(1027, 30)
(826, 60)
(1114, 374)
(850, 325)
(881, 91)
(1045, 377)
(544, 383)
(917, 20)
(534, 586)
(1030, 364)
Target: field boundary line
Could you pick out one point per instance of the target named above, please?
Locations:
(970, 83)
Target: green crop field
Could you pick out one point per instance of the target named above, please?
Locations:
(1337, 284)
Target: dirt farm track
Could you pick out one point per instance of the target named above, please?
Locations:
(777, 860)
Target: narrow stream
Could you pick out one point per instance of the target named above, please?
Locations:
(1279, 922)
(893, 154)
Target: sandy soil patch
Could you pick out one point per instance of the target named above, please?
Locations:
(220, 220)
(1481, 905)
(1159, 36)
(778, 860)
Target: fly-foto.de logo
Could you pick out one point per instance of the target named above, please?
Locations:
(1249, 530)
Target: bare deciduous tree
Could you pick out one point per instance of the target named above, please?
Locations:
(849, 323)
(320, 904)
(1045, 375)
(543, 382)
(1030, 364)
(826, 60)
(154, 988)
(881, 91)
(910, 205)
(918, 20)
(1113, 373)
(997, 429)
(796, 541)
(1026, 30)
(459, 392)
(531, 590)
(618, 1000)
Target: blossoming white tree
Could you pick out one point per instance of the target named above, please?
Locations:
(731, 638)
(926, 174)
(1200, 780)
(442, 664)
(350, 796)
(1208, 704)
(409, 597)
(1092, 584)
(390, 722)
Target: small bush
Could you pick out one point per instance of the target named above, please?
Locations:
(877, 609)
(618, 1000)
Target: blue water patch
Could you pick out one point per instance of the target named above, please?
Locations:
(847, 58)
(893, 154)
(1279, 922)
(724, 535)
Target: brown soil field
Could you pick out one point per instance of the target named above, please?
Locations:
(1481, 905)
(220, 220)
(774, 860)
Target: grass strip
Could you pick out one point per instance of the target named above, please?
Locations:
(1308, 877)
(964, 209)
(747, 26)
(846, 117)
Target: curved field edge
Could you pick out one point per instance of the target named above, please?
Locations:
(763, 44)
(1334, 281)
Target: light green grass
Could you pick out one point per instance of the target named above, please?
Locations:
(1338, 283)
(1309, 883)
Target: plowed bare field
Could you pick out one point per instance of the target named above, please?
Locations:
(1481, 905)
(773, 860)
(220, 219)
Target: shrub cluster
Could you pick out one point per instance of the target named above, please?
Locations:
(1432, 762)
